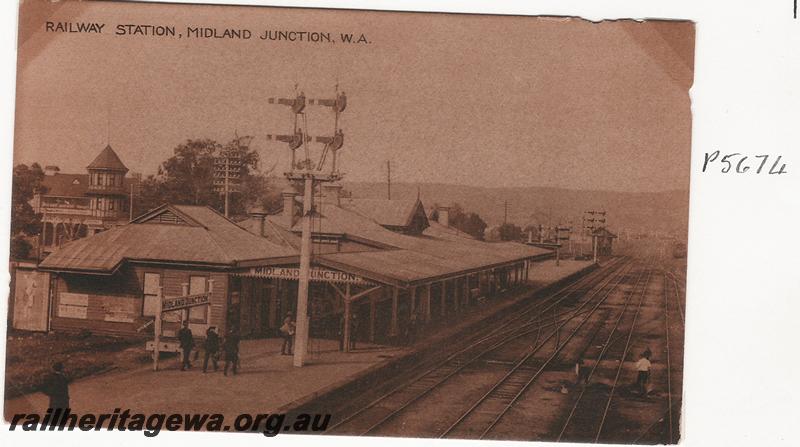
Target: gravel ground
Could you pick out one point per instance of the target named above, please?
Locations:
(30, 355)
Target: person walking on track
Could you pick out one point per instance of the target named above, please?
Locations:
(643, 368)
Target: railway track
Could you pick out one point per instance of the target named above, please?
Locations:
(666, 429)
(489, 409)
(369, 418)
(584, 422)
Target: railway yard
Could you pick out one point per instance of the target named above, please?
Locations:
(517, 378)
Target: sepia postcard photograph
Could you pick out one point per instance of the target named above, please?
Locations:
(279, 220)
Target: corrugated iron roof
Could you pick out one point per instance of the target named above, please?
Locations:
(71, 185)
(415, 258)
(395, 213)
(209, 239)
(272, 232)
(435, 229)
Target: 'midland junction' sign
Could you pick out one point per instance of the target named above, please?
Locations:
(316, 274)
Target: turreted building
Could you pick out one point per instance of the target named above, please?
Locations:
(77, 205)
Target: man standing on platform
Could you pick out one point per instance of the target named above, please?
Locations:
(211, 348)
(287, 332)
(56, 387)
(231, 347)
(187, 343)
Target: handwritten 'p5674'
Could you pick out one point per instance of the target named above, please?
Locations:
(737, 163)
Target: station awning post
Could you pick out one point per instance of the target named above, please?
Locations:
(346, 329)
(393, 325)
(157, 329)
(427, 303)
(444, 297)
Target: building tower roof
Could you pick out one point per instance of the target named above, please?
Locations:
(108, 159)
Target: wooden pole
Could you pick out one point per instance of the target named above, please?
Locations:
(157, 329)
(301, 333)
(346, 330)
(466, 291)
(373, 310)
(428, 303)
(184, 312)
(393, 325)
(456, 298)
(444, 297)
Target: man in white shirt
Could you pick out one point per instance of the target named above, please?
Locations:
(643, 368)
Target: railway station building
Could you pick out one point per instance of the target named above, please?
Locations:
(373, 261)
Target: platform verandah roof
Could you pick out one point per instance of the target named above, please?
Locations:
(169, 234)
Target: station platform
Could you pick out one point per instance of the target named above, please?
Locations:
(267, 381)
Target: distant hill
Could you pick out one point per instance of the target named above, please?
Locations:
(662, 212)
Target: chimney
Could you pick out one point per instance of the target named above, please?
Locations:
(51, 170)
(288, 207)
(332, 192)
(444, 216)
(258, 214)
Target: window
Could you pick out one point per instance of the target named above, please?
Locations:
(198, 314)
(151, 283)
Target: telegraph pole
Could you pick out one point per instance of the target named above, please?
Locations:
(228, 170)
(310, 174)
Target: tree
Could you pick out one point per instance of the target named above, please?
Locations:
(510, 232)
(20, 248)
(187, 178)
(468, 222)
(25, 182)
(25, 223)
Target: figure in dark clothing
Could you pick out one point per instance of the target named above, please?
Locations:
(56, 387)
(287, 332)
(581, 372)
(211, 348)
(353, 328)
(411, 329)
(231, 347)
(187, 344)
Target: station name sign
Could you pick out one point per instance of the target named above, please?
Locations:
(183, 302)
(317, 274)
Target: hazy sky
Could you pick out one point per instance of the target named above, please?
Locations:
(466, 99)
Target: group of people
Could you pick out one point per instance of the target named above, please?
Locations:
(230, 347)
